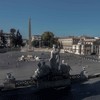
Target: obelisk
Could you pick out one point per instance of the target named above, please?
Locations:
(99, 53)
(30, 34)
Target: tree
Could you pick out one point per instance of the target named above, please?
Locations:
(16, 39)
(47, 38)
(19, 40)
(35, 43)
(55, 41)
(1, 31)
(12, 36)
(12, 30)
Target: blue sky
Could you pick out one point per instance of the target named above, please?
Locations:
(62, 17)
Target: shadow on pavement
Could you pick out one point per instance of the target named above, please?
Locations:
(79, 91)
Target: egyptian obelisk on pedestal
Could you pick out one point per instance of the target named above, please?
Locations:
(28, 47)
(30, 38)
(99, 53)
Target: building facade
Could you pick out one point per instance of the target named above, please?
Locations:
(68, 42)
(81, 45)
(7, 39)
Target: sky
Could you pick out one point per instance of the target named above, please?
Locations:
(62, 17)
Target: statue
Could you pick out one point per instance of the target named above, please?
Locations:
(84, 73)
(55, 58)
(10, 77)
(64, 68)
(42, 70)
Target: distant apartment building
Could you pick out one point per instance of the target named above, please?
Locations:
(0, 41)
(81, 45)
(7, 38)
(67, 43)
(84, 46)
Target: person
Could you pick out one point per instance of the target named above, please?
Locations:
(55, 58)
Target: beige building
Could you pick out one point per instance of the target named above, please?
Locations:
(7, 38)
(68, 42)
(84, 46)
(81, 48)
(80, 45)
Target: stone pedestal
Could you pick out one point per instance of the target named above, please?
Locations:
(9, 82)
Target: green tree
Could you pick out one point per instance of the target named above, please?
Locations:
(35, 43)
(47, 38)
(55, 41)
(12, 37)
(12, 30)
(19, 40)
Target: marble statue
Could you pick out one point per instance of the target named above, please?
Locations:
(55, 58)
(64, 68)
(42, 70)
(84, 73)
(10, 78)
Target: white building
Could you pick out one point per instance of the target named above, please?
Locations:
(81, 45)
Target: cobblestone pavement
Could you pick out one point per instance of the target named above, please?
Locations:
(89, 90)
(23, 70)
